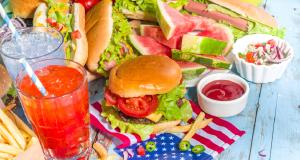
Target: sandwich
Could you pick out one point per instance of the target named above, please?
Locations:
(69, 19)
(144, 10)
(107, 33)
(243, 18)
(144, 92)
(8, 93)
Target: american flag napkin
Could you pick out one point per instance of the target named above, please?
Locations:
(215, 137)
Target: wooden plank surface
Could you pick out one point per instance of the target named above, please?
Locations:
(277, 128)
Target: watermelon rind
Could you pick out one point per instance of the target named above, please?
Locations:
(142, 28)
(230, 37)
(207, 61)
(191, 73)
(202, 45)
(139, 47)
(164, 20)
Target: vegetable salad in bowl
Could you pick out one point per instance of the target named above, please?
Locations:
(265, 53)
(261, 58)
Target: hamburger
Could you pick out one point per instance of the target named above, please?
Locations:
(69, 19)
(8, 93)
(143, 93)
(242, 17)
(107, 33)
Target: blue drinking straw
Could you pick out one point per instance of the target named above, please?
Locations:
(23, 61)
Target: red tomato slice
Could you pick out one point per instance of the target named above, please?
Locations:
(88, 4)
(76, 34)
(138, 107)
(110, 98)
(141, 151)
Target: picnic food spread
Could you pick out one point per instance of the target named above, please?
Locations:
(146, 51)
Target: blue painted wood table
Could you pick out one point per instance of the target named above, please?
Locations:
(272, 116)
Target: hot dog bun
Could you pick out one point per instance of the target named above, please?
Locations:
(99, 28)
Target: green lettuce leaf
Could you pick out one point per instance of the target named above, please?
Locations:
(111, 115)
(257, 28)
(11, 94)
(59, 12)
(202, 1)
(136, 5)
(169, 108)
(178, 4)
(121, 30)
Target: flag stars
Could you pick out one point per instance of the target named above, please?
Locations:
(190, 155)
(173, 149)
(172, 143)
(182, 158)
(163, 143)
(162, 138)
(174, 156)
(171, 137)
(164, 149)
(156, 155)
(147, 155)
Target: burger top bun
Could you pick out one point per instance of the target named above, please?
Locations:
(145, 75)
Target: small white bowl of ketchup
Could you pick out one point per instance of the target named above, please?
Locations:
(222, 94)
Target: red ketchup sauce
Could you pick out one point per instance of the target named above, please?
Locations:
(223, 90)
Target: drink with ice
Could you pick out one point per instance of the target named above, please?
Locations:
(35, 44)
(60, 119)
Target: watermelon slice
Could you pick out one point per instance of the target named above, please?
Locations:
(218, 62)
(219, 32)
(191, 70)
(148, 46)
(156, 33)
(171, 21)
(202, 45)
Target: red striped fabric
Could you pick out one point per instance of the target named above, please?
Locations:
(216, 137)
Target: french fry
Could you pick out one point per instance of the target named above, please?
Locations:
(6, 156)
(179, 129)
(12, 128)
(160, 127)
(198, 124)
(100, 149)
(20, 124)
(32, 141)
(10, 107)
(6, 148)
(2, 140)
(26, 136)
(7, 136)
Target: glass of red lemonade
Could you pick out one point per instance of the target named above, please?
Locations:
(61, 119)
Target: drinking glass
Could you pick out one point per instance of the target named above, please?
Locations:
(61, 119)
(35, 44)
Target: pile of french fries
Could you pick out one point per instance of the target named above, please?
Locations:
(175, 127)
(15, 135)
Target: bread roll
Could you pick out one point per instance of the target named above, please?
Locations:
(145, 75)
(5, 81)
(249, 11)
(99, 28)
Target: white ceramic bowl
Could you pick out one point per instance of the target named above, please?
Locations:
(222, 108)
(260, 73)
